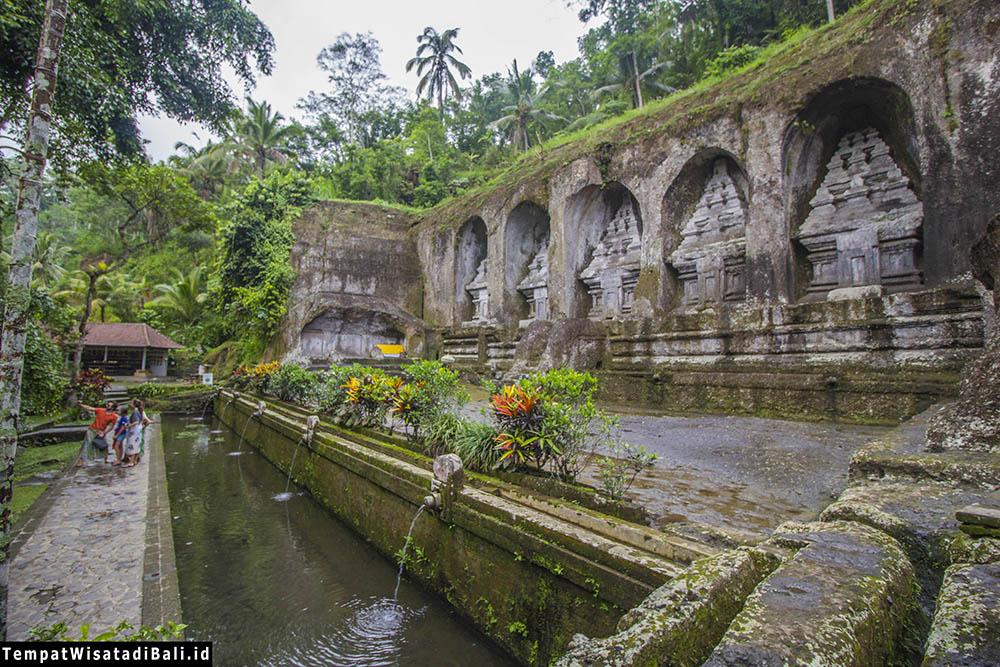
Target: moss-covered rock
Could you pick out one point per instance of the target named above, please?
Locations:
(966, 627)
(844, 598)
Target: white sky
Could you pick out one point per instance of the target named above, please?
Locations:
(491, 34)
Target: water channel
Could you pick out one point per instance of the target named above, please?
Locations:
(285, 583)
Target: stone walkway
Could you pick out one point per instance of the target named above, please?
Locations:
(80, 553)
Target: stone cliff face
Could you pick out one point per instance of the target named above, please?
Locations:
(358, 285)
(791, 240)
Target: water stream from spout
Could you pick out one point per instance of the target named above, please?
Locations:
(282, 497)
(402, 560)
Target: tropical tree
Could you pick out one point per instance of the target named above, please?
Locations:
(434, 55)
(46, 260)
(182, 300)
(17, 298)
(524, 106)
(358, 84)
(259, 137)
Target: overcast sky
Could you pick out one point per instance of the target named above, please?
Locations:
(491, 34)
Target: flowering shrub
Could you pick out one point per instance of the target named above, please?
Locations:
(368, 398)
(549, 420)
(90, 386)
(246, 378)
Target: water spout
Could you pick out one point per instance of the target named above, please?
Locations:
(311, 422)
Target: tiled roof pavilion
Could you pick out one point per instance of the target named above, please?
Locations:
(126, 334)
(124, 348)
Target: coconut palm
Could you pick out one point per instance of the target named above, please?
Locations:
(523, 108)
(258, 136)
(631, 79)
(438, 61)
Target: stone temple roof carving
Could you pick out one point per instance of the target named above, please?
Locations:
(719, 216)
(618, 248)
(538, 269)
(863, 188)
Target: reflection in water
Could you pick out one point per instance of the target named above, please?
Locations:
(285, 583)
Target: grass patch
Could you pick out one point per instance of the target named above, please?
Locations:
(42, 459)
(31, 462)
(24, 497)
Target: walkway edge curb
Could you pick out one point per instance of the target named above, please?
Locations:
(161, 601)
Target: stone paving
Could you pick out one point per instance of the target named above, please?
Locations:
(82, 561)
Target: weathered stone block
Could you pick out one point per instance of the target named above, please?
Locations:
(966, 626)
(843, 599)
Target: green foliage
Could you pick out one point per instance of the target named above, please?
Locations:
(293, 383)
(119, 633)
(121, 59)
(89, 387)
(254, 272)
(432, 392)
(731, 59)
(44, 385)
(618, 471)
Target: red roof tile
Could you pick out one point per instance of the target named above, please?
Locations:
(126, 334)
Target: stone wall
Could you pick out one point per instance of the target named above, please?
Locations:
(792, 240)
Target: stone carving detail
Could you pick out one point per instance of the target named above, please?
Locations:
(478, 290)
(613, 270)
(535, 285)
(865, 222)
(711, 258)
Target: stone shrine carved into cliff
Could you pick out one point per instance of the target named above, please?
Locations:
(864, 223)
(711, 258)
(613, 270)
(535, 285)
(478, 290)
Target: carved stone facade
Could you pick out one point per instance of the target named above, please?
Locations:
(864, 224)
(535, 286)
(478, 289)
(711, 258)
(613, 270)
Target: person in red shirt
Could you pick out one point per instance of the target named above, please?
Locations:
(104, 421)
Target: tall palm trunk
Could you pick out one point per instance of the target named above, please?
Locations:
(18, 297)
(635, 78)
(829, 11)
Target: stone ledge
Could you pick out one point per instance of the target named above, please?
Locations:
(680, 622)
(844, 598)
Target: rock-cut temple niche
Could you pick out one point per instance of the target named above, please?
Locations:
(711, 258)
(613, 270)
(478, 290)
(535, 285)
(471, 293)
(348, 333)
(526, 265)
(864, 223)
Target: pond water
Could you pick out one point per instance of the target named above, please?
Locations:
(285, 583)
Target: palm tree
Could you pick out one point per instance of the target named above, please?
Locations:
(631, 79)
(523, 108)
(438, 63)
(183, 299)
(258, 136)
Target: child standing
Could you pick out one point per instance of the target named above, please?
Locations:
(121, 434)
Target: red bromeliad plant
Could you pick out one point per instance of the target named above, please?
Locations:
(518, 413)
